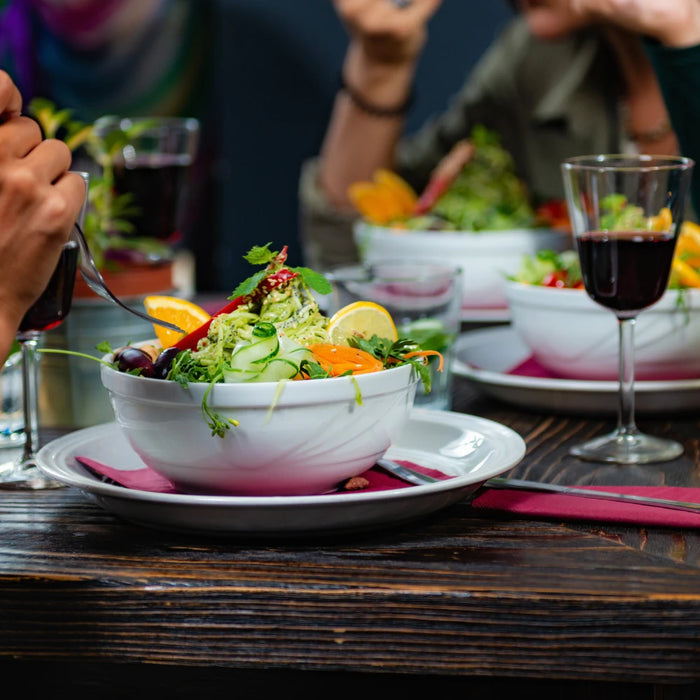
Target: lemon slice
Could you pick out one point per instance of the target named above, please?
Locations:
(181, 312)
(363, 319)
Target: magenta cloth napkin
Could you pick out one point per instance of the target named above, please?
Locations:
(550, 506)
(531, 368)
(146, 479)
(563, 507)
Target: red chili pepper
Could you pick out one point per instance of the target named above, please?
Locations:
(189, 342)
(276, 279)
(445, 173)
(555, 279)
(433, 191)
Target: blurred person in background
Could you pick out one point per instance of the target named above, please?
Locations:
(39, 202)
(558, 82)
(672, 40)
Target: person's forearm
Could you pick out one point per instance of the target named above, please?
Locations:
(358, 142)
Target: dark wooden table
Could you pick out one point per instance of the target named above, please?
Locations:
(456, 601)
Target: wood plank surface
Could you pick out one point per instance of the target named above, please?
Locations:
(452, 596)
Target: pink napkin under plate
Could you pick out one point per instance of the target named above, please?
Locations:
(550, 506)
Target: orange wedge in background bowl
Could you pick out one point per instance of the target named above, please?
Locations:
(181, 312)
(386, 198)
(662, 221)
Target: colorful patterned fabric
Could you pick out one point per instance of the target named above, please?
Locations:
(67, 55)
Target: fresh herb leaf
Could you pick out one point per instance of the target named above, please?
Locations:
(313, 279)
(248, 285)
(260, 255)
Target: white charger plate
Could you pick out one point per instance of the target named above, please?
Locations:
(471, 449)
(486, 356)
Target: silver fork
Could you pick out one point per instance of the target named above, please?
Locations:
(420, 479)
(94, 280)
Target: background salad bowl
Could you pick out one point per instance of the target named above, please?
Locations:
(573, 337)
(296, 438)
(475, 212)
(486, 257)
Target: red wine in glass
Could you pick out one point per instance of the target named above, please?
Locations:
(49, 310)
(626, 211)
(156, 183)
(53, 305)
(625, 271)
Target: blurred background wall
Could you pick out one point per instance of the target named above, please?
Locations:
(280, 63)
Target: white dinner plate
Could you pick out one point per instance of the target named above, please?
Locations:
(468, 448)
(486, 356)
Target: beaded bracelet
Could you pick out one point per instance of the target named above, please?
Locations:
(376, 110)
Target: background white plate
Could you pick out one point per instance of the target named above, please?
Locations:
(485, 357)
(470, 448)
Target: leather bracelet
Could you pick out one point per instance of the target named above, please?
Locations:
(376, 110)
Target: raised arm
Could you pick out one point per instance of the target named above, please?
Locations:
(674, 23)
(386, 40)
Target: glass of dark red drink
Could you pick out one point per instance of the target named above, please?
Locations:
(626, 212)
(49, 310)
(152, 166)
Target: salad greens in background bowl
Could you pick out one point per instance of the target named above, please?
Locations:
(575, 338)
(475, 212)
(268, 396)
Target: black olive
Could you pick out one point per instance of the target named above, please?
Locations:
(163, 362)
(130, 358)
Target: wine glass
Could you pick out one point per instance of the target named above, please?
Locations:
(47, 312)
(152, 166)
(626, 213)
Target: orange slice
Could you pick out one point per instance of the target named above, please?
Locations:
(376, 203)
(181, 312)
(662, 221)
(361, 319)
(685, 274)
(405, 194)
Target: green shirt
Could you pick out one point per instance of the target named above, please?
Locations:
(678, 71)
(547, 100)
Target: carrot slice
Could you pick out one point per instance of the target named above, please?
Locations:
(339, 359)
(425, 354)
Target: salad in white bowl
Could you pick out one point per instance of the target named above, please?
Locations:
(474, 212)
(573, 337)
(268, 396)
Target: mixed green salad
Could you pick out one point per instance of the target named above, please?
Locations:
(474, 188)
(486, 195)
(272, 330)
(548, 268)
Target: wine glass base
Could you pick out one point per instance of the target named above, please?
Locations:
(24, 475)
(628, 448)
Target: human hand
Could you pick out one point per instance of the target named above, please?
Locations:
(39, 202)
(388, 32)
(674, 23)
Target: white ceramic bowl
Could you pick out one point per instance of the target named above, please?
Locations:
(573, 337)
(302, 440)
(486, 257)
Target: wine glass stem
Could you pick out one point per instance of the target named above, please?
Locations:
(626, 422)
(28, 345)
